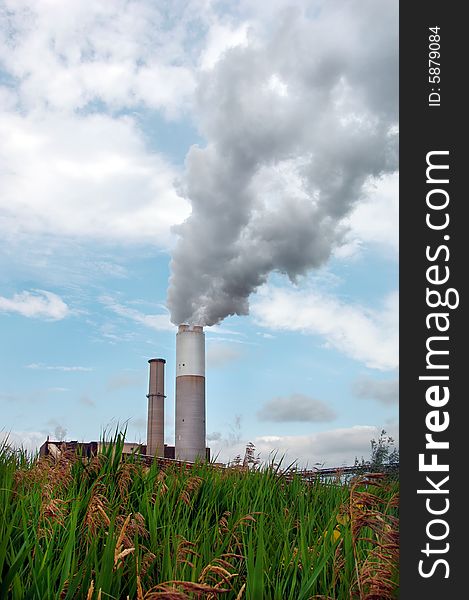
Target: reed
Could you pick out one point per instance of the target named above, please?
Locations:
(105, 528)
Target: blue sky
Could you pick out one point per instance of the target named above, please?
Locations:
(120, 120)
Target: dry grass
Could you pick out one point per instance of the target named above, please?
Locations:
(375, 528)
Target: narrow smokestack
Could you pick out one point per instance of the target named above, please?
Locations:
(155, 425)
(190, 393)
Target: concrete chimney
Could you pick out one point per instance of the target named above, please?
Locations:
(190, 393)
(155, 424)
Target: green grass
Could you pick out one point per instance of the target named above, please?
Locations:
(105, 528)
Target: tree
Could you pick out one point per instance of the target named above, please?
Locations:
(250, 459)
(383, 452)
(384, 455)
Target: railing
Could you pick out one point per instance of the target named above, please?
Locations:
(341, 474)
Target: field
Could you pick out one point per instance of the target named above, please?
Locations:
(105, 528)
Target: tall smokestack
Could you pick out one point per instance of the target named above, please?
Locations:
(190, 393)
(155, 424)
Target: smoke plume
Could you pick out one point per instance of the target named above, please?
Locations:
(296, 122)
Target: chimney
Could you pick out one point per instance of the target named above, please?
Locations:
(155, 424)
(190, 393)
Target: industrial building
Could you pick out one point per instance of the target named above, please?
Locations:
(190, 431)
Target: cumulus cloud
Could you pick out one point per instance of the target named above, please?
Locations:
(68, 169)
(384, 391)
(38, 304)
(296, 407)
(297, 126)
(367, 335)
(220, 38)
(220, 354)
(87, 176)
(330, 448)
(29, 440)
(375, 220)
(65, 56)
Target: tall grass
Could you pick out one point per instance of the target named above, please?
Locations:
(104, 528)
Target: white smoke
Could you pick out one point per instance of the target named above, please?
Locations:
(295, 124)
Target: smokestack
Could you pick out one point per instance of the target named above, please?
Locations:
(190, 393)
(155, 424)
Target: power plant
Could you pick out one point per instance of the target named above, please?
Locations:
(190, 399)
(189, 409)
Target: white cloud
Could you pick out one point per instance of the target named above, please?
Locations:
(331, 448)
(64, 368)
(165, 87)
(267, 336)
(68, 169)
(375, 220)
(275, 84)
(39, 304)
(367, 335)
(220, 38)
(336, 447)
(159, 322)
(90, 177)
(217, 330)
(29, 440)
(66, 55)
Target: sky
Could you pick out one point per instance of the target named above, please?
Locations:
(231, 164)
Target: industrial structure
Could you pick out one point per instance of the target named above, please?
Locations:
(156, 396)
(190, 393)
(189, 410)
